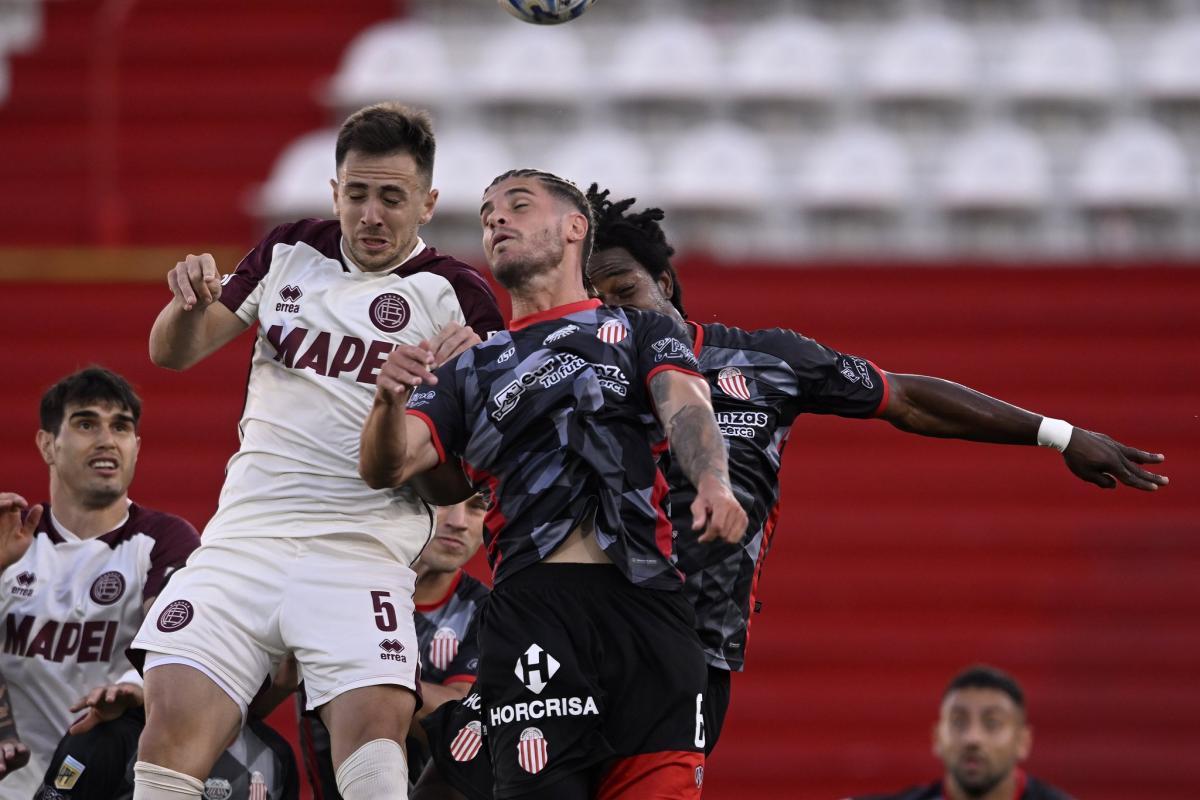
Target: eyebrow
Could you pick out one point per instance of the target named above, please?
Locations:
(387, 187)
(486, 207)
(88, 414)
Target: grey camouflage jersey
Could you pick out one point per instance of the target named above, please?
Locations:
(761, 381)
(554, 416)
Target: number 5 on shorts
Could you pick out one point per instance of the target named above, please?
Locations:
(700, 720)
(385, 612)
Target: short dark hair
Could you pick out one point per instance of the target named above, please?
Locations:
(563, 189)
(91, 385)
(982, 676)
(638, 233)
(386, 128)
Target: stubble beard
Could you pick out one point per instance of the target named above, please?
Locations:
(547, 254)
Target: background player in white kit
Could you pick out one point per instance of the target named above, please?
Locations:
(301, 555)
(77, 574)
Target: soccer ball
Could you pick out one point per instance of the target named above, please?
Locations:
(545, 12)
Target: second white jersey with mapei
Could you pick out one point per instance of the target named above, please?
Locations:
(325, 328)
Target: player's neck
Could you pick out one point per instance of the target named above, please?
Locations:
(545, 291)
(82, 520)
(432, 585)
(1004, 790)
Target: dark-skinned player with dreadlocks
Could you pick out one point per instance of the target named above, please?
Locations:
(761, 381)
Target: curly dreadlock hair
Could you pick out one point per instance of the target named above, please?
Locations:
(638, 233)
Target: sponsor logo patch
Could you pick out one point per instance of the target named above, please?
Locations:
(532, 751)
(108, 588)
(699, 777)
(258, 786)
(291, 299)
(467, 743)
(217, 789)
(535, 668)
(733, 383)
(24, 585)
(506, 355)
(390, 312)
(443, 648)
(176, 615)
(68, 774)
(393, 650)
(612, 331)
(561, 333)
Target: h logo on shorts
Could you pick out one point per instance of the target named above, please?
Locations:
(535, 668)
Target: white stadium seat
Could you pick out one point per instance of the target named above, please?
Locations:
(529, 64)
(720, 166)
(671, 60)
(856, 168)
(20, 26)
(467, 161)
(999, 167)
(1134, 165)
(787, 59)
(615, 159)
(299, 181)
(1171, 71)
(1061, 62)
(923, 59)
(393, 61)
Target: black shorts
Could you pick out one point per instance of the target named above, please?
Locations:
(716, 704)
(93, 765)
(458, 752)
(580, 669)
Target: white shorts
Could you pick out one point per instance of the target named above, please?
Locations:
(341, 603)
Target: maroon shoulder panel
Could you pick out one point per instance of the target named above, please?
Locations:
(323, 235)
(475, 296)
(174, 540)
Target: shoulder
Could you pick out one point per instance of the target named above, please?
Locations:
(471, 289)
(323, 235)
(164, 528)
(931, 791)
(773, 341)
(471, 588)
(1040, 790)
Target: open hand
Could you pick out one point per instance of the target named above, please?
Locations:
(1101, 460)
(105, 703)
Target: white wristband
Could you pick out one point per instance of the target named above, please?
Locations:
(1054, 433)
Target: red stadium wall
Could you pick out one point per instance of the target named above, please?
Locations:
(898, 560)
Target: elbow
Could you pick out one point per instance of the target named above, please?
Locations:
(376, 476)
(164, 357)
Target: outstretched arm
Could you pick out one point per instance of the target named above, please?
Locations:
(941, 408)
(683, 403)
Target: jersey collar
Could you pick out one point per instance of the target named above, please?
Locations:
(353, 266)
(554, 313)
(425, 608)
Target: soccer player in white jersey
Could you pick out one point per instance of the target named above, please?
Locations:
(77, 573)
(301, 555)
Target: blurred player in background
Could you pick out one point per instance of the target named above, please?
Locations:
(591, 674)
(981, 737)
(78, 573)
(761, 381)
(447, 600)
(302, 557)
(14, 754)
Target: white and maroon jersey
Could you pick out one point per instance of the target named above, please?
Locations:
(71, 607)
(325, 328)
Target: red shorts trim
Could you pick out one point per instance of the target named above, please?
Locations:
(666, 775)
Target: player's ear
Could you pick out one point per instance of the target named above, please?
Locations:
(666, 284)
(935, 746)
(334, 185)
(45, 446)
(577, 227)
(1024, 742)
(430, 202)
